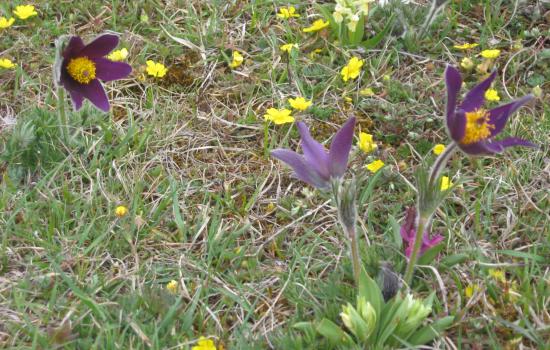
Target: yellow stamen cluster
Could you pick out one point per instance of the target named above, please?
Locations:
(82, 69)
(477, 127)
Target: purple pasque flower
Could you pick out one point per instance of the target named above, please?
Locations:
(408, 233)
(317, 166)
(470, 125)
(83, 66)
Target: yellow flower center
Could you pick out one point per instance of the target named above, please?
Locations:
(82, 69)
(477, 127)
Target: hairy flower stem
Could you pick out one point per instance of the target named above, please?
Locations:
(62, 116)
(421, 226)
(354, 248)
(441, 162)
(426, 210)
(344, 199)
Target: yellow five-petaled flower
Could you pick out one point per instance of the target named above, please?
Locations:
(237, 60)
(5, 23)
(172, 287)
(121, 211)
(492, 95)
(279, 116)
(366, 142)
(316, 26)
(467, 63)
(465, 46)
(204, 344)
(445, 183)
(288, 47)
(24, 11)
(118, 55)
(490, 54)
(287, 12)
(373, 167)
(6, 63)
(299, 103)
(352, 69)
(156, 69)
(438, 149)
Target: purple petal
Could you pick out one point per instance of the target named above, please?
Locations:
(407, 230)
(101, 46)
(340, 148)
(433, 241)
(408, 250)
(408, 236)
(499, 115)
(108, 70)
(93, 91)
(96, 94)
(476, 97)
(499, 146)
(453, 81)
(314, 153)
(74, 46)
(475, 148)
(301, 169)
(457, 125)
(77, 99)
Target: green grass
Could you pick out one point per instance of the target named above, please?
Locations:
(254, 250)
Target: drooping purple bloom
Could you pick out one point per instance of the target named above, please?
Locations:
(317, 166)
(408, 233)
(83, 66)
(470, 125)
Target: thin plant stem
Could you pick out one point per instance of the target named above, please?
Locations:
(420, 228)
(441, 162)
(348, 227)
(266, 139)
(61, 114)
(354, 248)
(425, 212)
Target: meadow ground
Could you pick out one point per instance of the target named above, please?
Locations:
(253, 250)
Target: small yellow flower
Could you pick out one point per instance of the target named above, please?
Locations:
(492, 95)
(316, 26)
(204, 344)
(279, 116)
(366, 142)
(314, 53)
(121, 211)
(287, 12)
(375, 166)
(352, 69)
(156, 69)
(288, 47)
(24, 11)
(467, 63)
(445, 183)
(5, 23)
(6, 63)
(438, 149)
(498, 275)
(237, 60)
(172, 287)
(118, 55)
(470, 290)
(299, 103)
(490, 54)
(367, 92)
(465, 46)
(537, 91)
